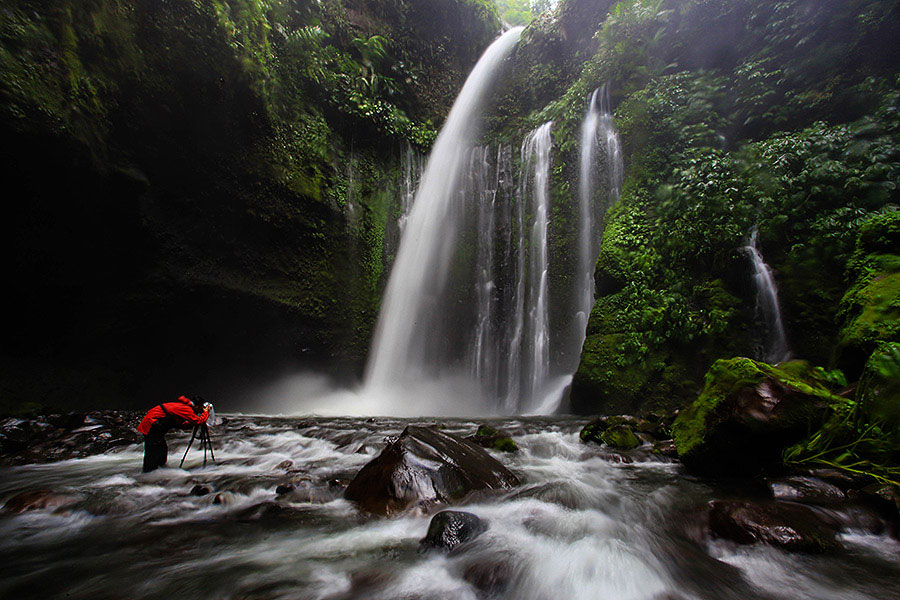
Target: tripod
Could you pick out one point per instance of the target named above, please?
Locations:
(205, 443)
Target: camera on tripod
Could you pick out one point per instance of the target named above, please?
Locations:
(201, 432)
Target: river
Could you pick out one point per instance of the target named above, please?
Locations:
(580, 526)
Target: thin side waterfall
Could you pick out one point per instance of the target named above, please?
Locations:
(411, 166)
(408, 336)
(775, 348)
(536, 161)
(601, 167)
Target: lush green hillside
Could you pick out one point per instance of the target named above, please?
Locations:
(733, 115)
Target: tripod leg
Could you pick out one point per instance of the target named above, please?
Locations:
(209, 443)
(193, 435)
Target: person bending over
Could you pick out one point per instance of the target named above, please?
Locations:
(182, 413)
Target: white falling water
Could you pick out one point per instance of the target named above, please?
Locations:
(411, 166)
(598, 133)
(776, 348)
(536, 161)
(409, 321)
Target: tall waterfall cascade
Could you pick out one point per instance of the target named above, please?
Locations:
(468, 314)
(775, 348)
(409, 343)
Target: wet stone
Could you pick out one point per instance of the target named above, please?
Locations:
(199, 490)
(40, 500)
(450, 528)
(424, 467)
(785, 525)
(805, 489)
(490, 576)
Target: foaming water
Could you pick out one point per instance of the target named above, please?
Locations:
(578, 527)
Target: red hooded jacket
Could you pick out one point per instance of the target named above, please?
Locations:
(180, 412)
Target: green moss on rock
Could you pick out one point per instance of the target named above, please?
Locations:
(749, 412)
(620, 437)
(870, 310)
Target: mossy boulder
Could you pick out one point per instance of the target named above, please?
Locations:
(620, 437)
(749, 412)
(870, 310)
(879, 388)
(614, 431)
(494, 439)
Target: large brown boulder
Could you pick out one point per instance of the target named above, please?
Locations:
(424, 467)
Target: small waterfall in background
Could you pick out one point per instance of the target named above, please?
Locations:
(601, 173)
(776, 347)
(412, 167)
(598, 136)
(412, 338)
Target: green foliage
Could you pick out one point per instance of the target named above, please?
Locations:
(515, 12)
(861, 436)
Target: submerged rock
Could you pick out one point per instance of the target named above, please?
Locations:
(450, 528)
(424, 467)
(490, 576)
(785, 525)
(40, 500)
(199, 490)
(748, 413)
(885, 499)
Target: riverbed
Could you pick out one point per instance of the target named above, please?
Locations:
(580, 526)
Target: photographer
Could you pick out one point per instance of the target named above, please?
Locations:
(182, 413)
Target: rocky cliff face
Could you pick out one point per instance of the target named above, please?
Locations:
(196, 189)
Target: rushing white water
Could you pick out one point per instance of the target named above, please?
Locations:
(578, 527)
(409, 317)
(776, 348)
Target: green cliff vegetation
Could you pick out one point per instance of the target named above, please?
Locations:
(207, 187)
(734, 115)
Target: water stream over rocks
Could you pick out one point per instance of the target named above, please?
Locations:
(270, 521)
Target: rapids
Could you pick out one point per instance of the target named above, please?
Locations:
(579, 527)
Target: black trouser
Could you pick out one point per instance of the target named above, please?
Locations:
(155, 449)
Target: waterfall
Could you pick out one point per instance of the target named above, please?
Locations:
(597, 129)
(408, 336)
(776, 348)
(536, 161)
(598, 132)
(411, 166)
(465, 320)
